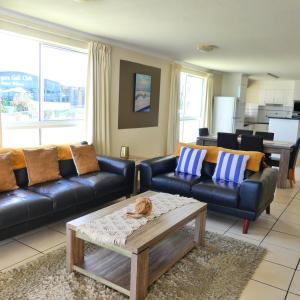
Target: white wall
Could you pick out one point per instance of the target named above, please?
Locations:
(296, 90)
(230, 84)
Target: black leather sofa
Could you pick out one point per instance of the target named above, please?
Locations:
(246, 200)
(32, 206)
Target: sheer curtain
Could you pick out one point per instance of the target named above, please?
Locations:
(98, 97)
(173, 123)
(206, 112)
(174, 106)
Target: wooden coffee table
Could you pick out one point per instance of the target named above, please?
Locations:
(148, 253)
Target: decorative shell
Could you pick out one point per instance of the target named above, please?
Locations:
(143, 208)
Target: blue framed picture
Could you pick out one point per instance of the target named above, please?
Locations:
(142, 93)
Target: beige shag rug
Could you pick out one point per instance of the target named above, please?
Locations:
(221, 270)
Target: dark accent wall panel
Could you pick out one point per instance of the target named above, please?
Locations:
(127, 117)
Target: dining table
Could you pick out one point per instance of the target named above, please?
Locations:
(275, 147)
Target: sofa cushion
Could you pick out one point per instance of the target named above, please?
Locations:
(218, 192)
(42, 165)
(102, 183)
(230, 167)
(7, 176)
(190, 161)
(174, 183)
(21, 205)
(85, 160)
(64, 193)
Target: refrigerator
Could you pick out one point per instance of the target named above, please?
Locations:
(228, 114)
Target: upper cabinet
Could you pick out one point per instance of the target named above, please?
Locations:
(276, 91)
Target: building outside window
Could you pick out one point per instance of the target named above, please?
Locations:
(192, 91)
(42, 92)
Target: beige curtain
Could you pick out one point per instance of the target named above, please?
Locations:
(98, 97)
(173, 123)
(206, 112)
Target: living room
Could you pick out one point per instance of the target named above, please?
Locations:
(149, 149)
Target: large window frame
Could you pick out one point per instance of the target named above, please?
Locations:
(186, 117)
(41, 123)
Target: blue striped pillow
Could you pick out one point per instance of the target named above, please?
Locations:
(190, 161)
(230, 167)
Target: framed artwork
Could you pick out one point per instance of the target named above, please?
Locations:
(139, 91)
(142, 93)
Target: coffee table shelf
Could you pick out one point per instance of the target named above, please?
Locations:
(113, 269)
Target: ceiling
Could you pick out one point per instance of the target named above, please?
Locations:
(253, 36)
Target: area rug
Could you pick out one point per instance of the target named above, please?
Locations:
(220, 270)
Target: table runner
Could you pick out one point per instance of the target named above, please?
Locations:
(116, 227)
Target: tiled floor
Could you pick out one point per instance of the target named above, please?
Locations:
(278, 276)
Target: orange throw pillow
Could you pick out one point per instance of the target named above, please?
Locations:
(84, 157)
(7, 175)
(42, 165)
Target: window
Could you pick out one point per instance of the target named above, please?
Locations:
(192, 89)
(42, 92)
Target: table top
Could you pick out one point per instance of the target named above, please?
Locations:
(267, 143)
(149, 234)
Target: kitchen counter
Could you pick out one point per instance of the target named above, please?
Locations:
(253, 123)
(284, 118)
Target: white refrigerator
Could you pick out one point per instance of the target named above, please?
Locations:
(228, 114)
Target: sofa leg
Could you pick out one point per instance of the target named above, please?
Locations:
(268, 208)
(128, 196)
(245, 226)
(291, 177)
(294, 176)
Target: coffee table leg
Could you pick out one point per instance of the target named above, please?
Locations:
(139, 279)
(74, 250)
(200, 223)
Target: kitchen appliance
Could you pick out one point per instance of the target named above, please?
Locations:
(296, 108)
(228, 114)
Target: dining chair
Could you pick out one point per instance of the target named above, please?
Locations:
(203, 131)
(265, 135)
(243, 131)
(227, 140)
(252, 143)
(274, 162)
(269, 136)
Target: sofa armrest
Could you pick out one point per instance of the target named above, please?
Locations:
(257, 191)
(118, 166)
(155, 166)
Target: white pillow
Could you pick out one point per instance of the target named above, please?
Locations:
(190, 161)
(230, 167)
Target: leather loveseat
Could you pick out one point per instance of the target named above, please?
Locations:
(246, 200)
(31, 206)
